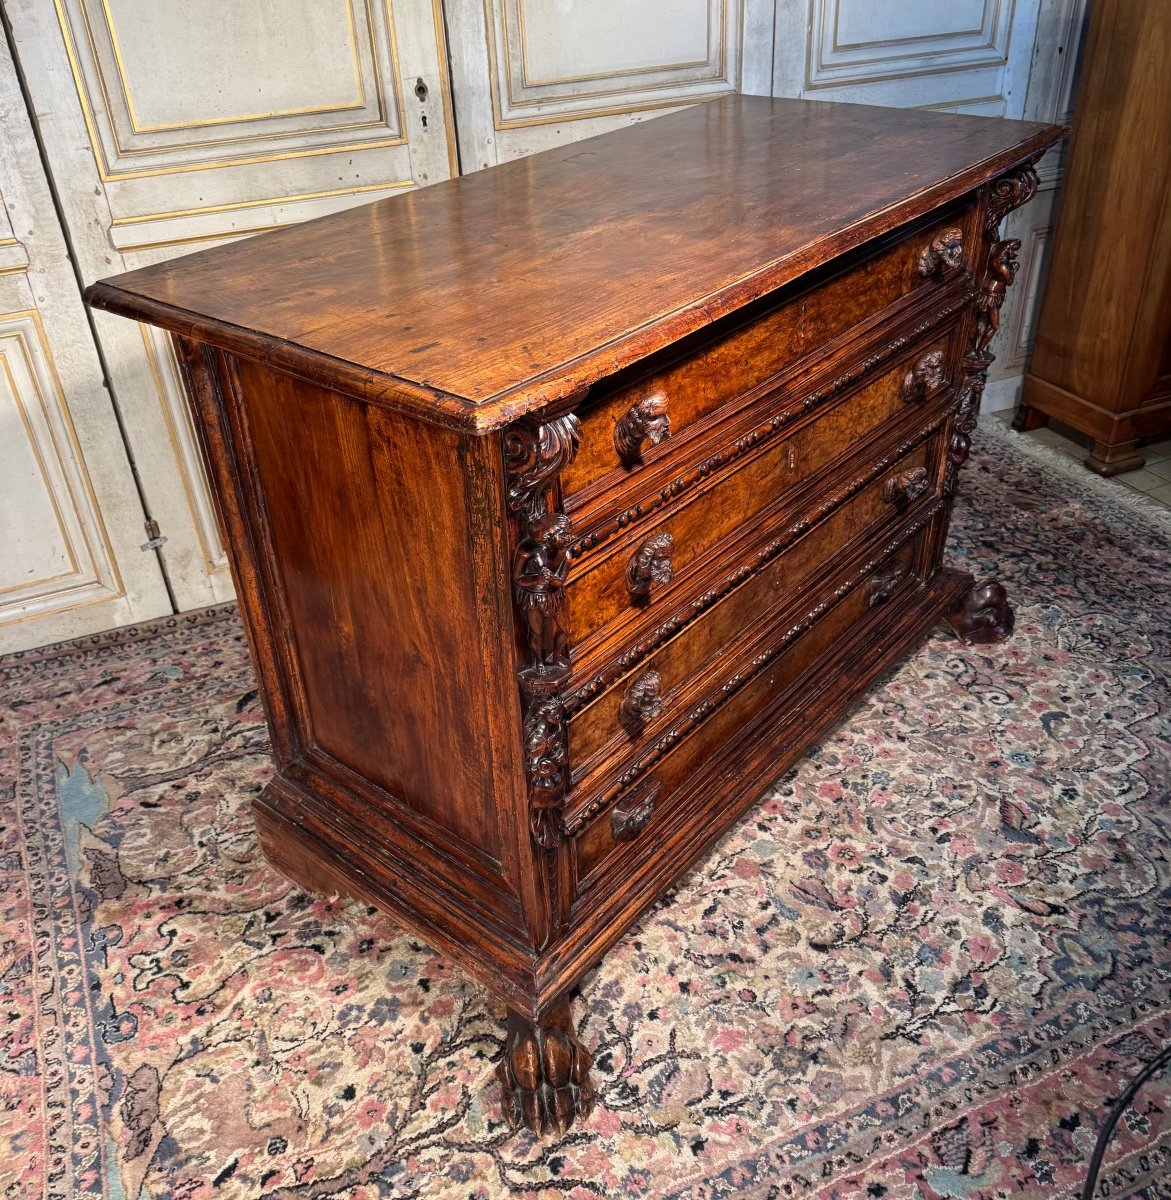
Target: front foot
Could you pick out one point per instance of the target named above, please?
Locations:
(982, 614)
(545, 1072)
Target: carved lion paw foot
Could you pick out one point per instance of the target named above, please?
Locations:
(983, 614)
(545, 1073)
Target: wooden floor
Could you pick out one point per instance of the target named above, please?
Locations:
(1153, 480)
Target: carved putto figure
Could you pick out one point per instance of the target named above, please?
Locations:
(539, 570)
(1002, 269)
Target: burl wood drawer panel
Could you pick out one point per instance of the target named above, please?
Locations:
(640, 420)
(624, 826)
(634, 575)
(635, 707)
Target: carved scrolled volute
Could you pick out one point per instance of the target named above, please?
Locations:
(885, 584)
(1010, 191)
(630, 815)
(645, 420)
(649, 565)
(642, 702)
(534, 453)
(539, 567)
(924, 377)
(906, 486)
(945, 252)
(983, 614)
(545, 758)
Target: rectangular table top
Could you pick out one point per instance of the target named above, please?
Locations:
(475, 300)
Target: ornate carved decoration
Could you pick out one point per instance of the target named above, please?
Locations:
(535, 452)
(642, 703)
(539, 568)
(697, 714)
(545, 759)
(1002, 269)
(885, 584)
(906, 486)
(545, 1072)
(695, 607)
(983, 614)
(649, 565)
(1010, 191)
(630, 815)
(945, 252)
(756, 437)
(925, 377)
(645, 420)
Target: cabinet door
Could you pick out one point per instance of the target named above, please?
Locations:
(530, 74)
(71, 524)
(173, 126)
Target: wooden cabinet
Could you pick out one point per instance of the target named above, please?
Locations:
(1102, 359)
(570, 501)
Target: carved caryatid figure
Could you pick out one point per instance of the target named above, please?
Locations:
(539, 570)
(1002, 269)
(545, 757)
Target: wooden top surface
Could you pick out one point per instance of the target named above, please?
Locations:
(475, 300)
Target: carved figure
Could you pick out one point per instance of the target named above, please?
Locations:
(1002, 269)
(538, 573)
(945, 250)
(645, 420)
(650, 564)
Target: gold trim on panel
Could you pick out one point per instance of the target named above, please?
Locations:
(212, 564)
(275, 200)
(814, 45)
(679, 101)
(138, 127)
(206, 237)
(838, 44)
(118, 588)
(528, 81)
(444, 64)
(10, 242)
(15, 270)
(31, 438)
(107, 174)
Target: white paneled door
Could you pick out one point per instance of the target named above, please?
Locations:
(170, 126)
(71, 523)
(999, 58)
(530, 74)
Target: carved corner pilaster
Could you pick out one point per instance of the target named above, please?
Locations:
(535, 454)
(1000, 264)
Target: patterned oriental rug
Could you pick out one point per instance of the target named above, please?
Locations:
(921, 969)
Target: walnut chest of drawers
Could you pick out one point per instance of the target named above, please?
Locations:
(571, 501)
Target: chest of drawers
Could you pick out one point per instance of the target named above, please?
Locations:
(571, 501)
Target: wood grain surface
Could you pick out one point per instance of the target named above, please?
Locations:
(475, 300)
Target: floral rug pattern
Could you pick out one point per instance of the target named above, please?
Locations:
(920, 970)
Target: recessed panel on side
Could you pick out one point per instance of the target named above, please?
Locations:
(370, 532)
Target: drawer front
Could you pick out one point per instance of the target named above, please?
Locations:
(641, 421)
(629, 581)
(626, 825)
(628, 713)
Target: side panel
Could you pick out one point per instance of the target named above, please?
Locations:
(370, 557)
(372, 542)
